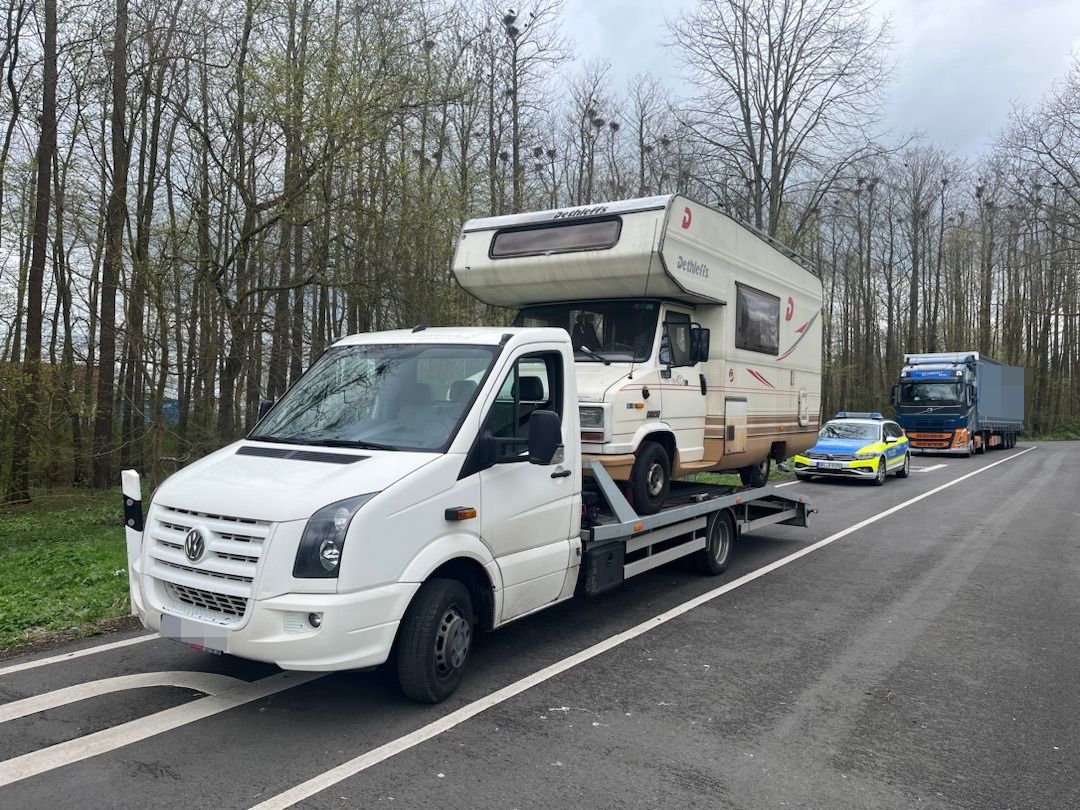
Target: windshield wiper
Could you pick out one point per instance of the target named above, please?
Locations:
(589, 352)
(350, 443)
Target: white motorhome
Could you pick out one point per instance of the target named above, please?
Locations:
(697, 340)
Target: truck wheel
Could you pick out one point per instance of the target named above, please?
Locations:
(970, 447)
(719, 537)
(650, 478)
(436, 636)
(980, 448)
(879, 476)
(756, 475)
(906, 468)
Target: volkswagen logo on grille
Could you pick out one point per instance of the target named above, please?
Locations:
(827, 455)
(194, 545)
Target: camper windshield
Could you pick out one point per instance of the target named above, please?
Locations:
(387, 397)
(615, 330)
(940, 393)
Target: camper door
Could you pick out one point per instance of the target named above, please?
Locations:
(684, 386)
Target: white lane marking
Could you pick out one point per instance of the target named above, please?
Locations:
(324, 780)
(101, 742)
(207, 682)
(41, 662)
(929, 469)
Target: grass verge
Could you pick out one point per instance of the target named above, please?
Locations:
(63, 564)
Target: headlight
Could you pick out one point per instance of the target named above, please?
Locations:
(591, 418)
(319, 554)
(865, 456)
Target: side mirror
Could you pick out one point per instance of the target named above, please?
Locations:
(678, 340)
(974, 393)
(699, 345)
(545, 437)
(892, 395)
(264, 407)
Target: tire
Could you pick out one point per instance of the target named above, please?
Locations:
(879, 476)
(981, 448)
(719, 538)
(650, 478)
(970, 447)
(435, 639)
(756, 475)
(906, 468)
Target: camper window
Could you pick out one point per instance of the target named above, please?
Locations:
(757, 321)
(560, 238)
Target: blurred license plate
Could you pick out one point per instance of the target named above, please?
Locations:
(199, 635)
(830, 465)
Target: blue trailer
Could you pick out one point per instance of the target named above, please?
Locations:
(959, 402)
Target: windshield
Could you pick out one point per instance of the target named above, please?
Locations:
(936, 392)
(390, 397)
(615, 330)
(851, 430)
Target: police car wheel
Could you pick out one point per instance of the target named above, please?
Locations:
(879, 476)
(905, 468)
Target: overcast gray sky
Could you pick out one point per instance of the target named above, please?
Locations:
(962, 63)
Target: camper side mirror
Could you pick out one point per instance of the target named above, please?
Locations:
(678, 341)
(699, 345)
(264, 407)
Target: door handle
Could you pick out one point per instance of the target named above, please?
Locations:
(561, 474)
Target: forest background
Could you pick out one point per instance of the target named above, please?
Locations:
(198, 196)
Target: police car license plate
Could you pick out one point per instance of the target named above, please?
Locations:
(830, 465)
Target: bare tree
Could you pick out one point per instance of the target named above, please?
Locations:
(115, 215)
(787, 91)
(19, 486)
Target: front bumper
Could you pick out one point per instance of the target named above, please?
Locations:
(855, 468)
(355, 630)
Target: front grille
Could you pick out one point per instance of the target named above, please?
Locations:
(207, 600)
(832, 456)
(220, 583)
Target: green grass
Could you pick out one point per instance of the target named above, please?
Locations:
(63, 564)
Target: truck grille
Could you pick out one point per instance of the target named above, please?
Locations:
(218, 585)
(207, 600)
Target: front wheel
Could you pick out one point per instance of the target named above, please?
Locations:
(879, 476)
(650, 478)
(906, 468)
(720, 535)
(436, 636)
(756, 475)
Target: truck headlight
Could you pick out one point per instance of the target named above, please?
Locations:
(319, 554)
(591, 418)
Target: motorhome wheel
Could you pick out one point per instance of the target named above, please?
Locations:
(650, 478)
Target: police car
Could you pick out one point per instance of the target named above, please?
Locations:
(857, 445)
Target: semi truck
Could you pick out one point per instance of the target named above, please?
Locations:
(959, 402)
(697, 340)
(412, 488)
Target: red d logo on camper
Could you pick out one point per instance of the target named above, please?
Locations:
(686, 217)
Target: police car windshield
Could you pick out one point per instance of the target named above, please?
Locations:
(850, 430)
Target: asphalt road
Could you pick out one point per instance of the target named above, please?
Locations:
(914, 647)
